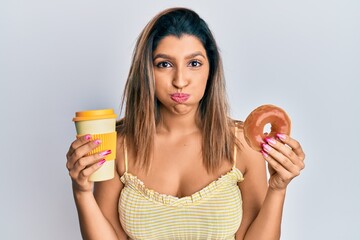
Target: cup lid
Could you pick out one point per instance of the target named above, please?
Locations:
(94, 115)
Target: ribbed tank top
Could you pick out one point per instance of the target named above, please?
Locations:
(214, 212)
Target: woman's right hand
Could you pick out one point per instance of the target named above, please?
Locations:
(81, 166)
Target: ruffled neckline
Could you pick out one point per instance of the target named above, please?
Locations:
(133, 181)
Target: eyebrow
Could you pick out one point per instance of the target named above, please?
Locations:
(165, 56)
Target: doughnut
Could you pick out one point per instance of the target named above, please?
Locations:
(266, 114)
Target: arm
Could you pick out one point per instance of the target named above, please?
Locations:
(107, 195)
(262, 204)
(95, 222)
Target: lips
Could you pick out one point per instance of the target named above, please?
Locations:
(179, 97)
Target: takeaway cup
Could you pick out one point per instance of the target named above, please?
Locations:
(101, 125)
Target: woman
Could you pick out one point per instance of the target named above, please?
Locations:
(183, 169)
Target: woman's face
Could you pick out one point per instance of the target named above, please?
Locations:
(181, 70)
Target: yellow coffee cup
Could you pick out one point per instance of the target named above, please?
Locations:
(101, 125)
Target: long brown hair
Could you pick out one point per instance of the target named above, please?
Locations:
(141, 107)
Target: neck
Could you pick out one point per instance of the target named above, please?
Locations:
(171, 123)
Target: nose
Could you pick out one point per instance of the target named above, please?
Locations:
(180, 79)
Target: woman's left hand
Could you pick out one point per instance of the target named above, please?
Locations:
(285, 159)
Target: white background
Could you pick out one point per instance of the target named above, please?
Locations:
(58, 57)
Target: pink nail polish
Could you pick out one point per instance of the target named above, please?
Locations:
(272, 141)
(266, 147)
(281, 136)
(265, 155)
(97, 142)
(101, 162)
(87, 137)
(107, 152)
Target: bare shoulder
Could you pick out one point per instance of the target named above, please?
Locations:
(247, 158)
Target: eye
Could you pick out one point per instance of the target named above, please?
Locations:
(163, 65)
(195, 63)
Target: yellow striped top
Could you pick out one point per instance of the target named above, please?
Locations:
(214, 212)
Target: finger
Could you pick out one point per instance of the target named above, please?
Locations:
(80, 173)
(296, 149)
(84, 174)
(86, 162)
(286, 150)
(292, 143)
(270, 168)
(77, 143)
(281, 159)
(275, 166)
(81, 152)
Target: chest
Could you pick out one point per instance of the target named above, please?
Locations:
(177, 167)
(179, 179)
(214, 212)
